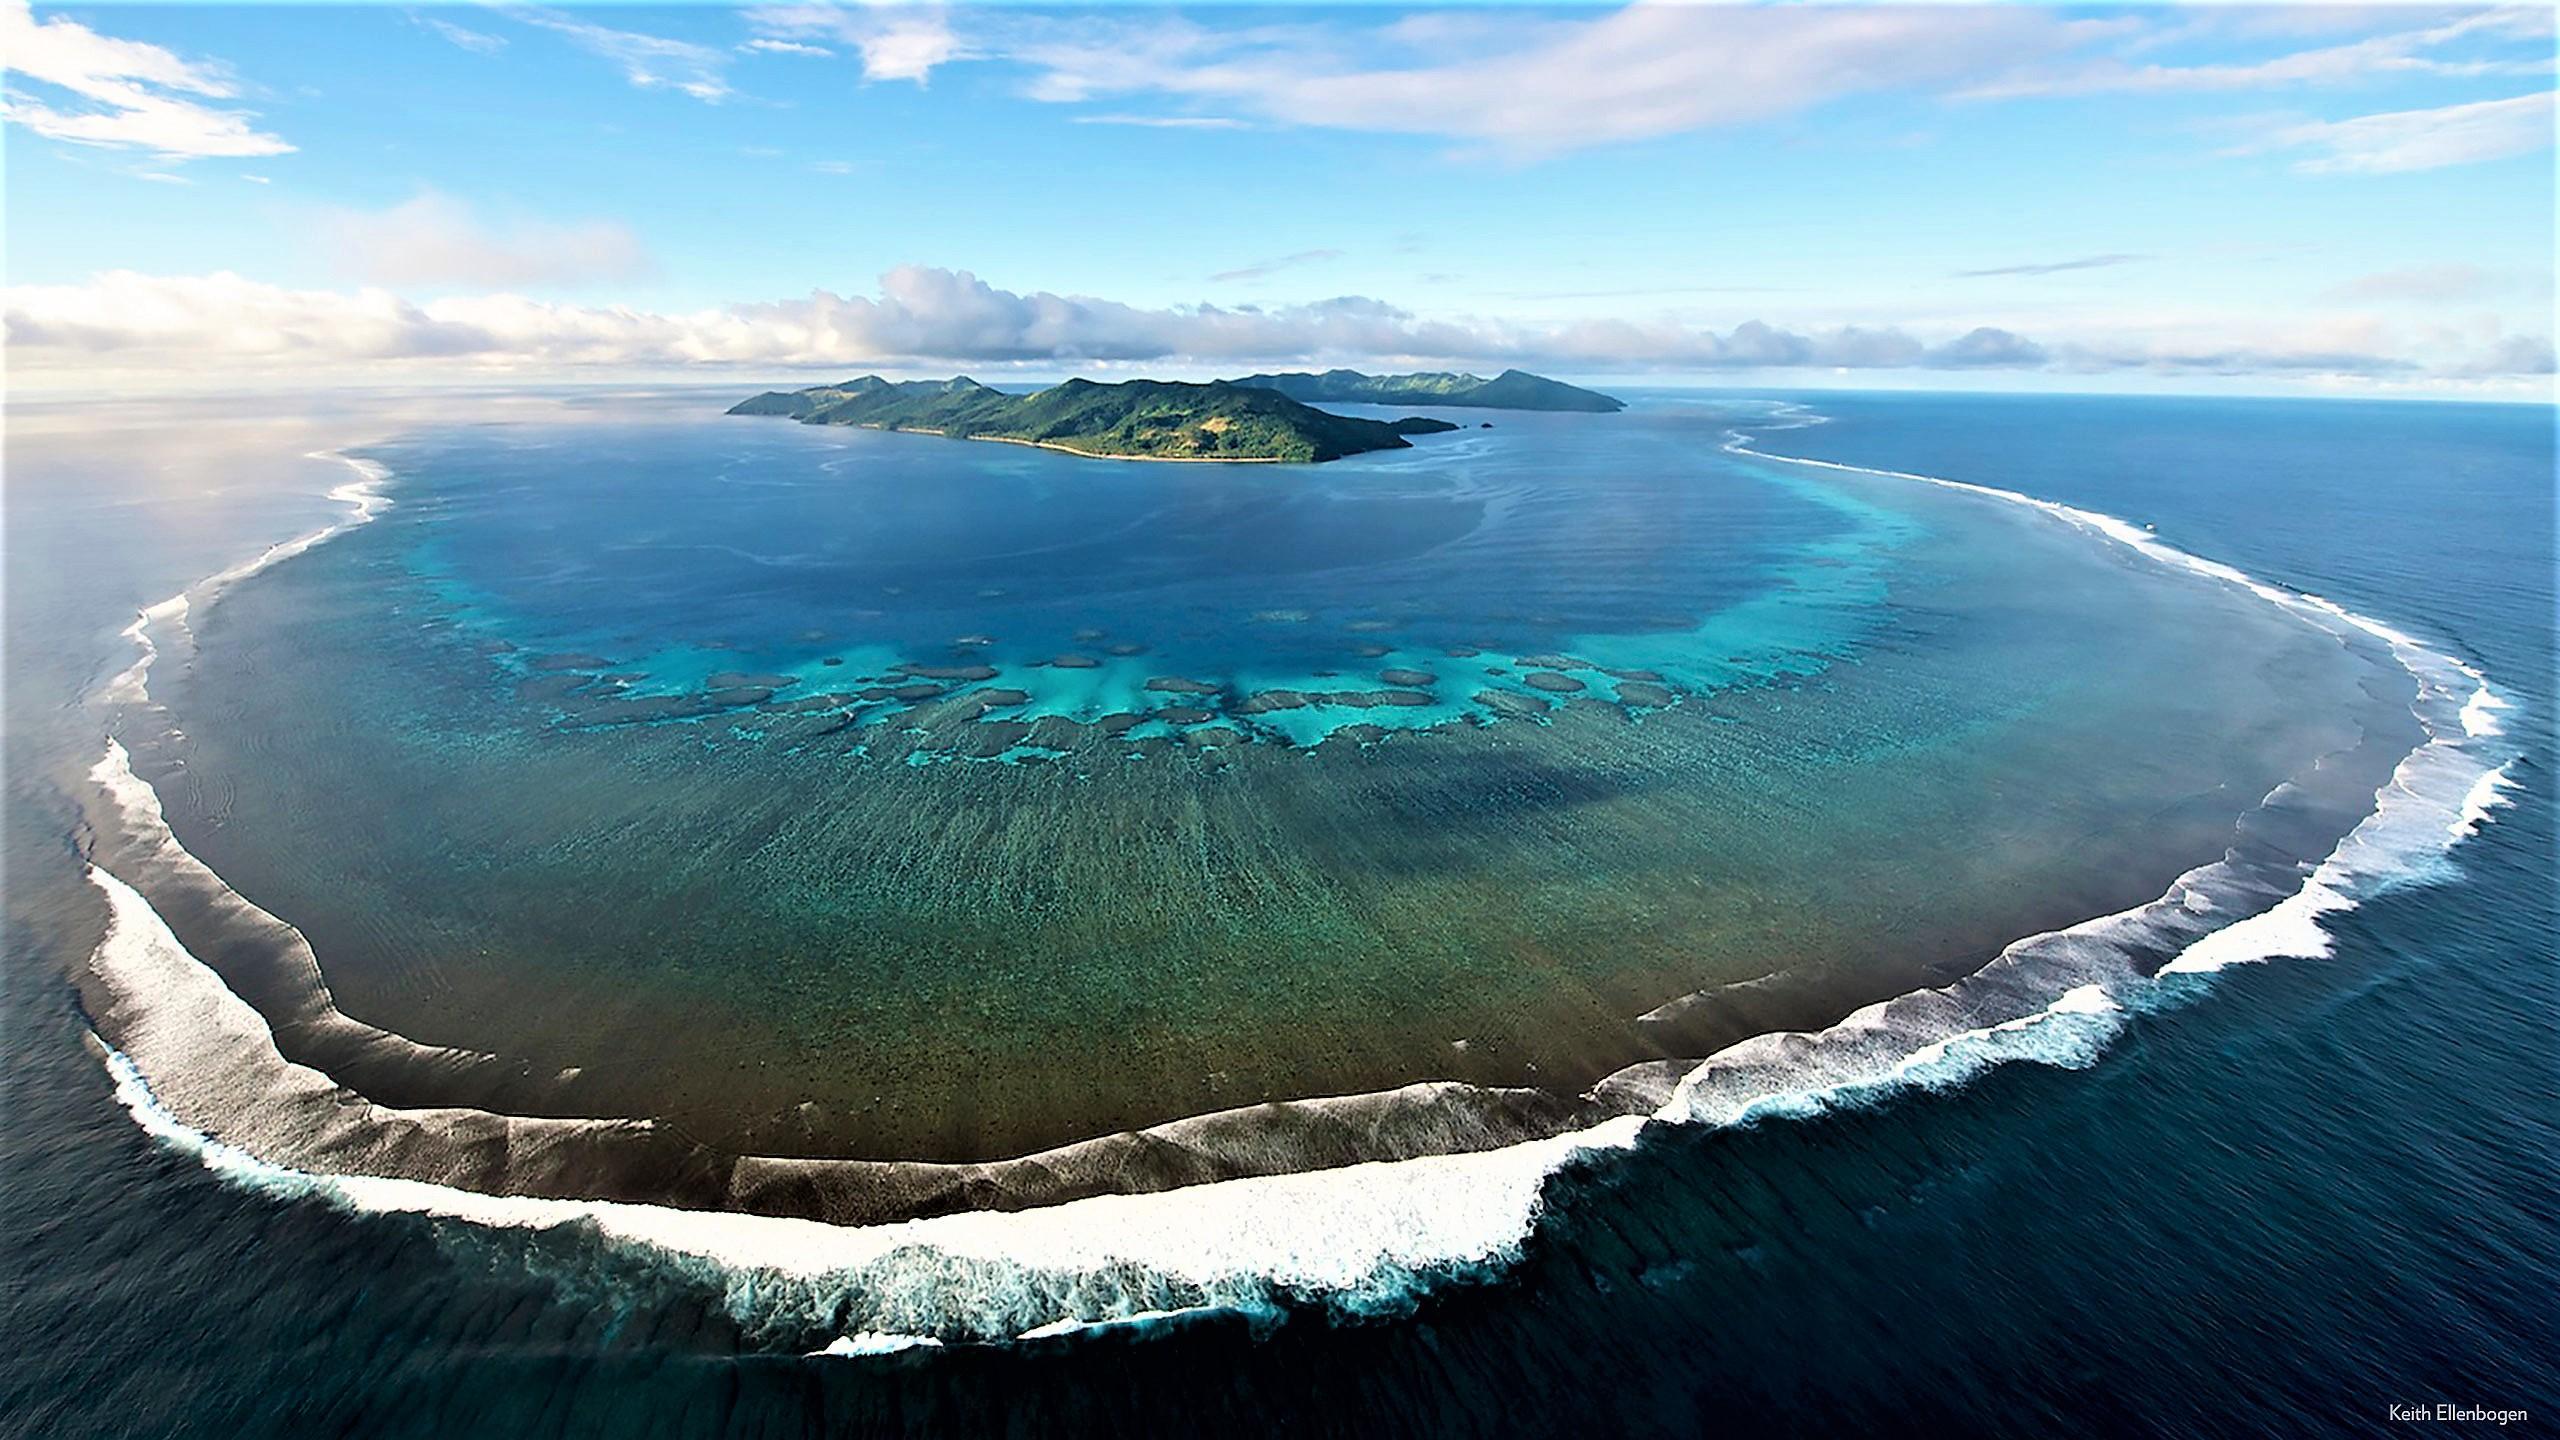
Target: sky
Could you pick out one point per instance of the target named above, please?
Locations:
(2326, 199)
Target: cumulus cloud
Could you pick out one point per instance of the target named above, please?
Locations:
(1990, 347)
(922, 316)
(2514, 355)
(433, 240)
(222, 317)
(650, 62)
(121, 94)
(2404, 140)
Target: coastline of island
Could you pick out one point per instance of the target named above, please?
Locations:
(1250, 421)
(1131, 420)
(1510, 390)
(1106, 455)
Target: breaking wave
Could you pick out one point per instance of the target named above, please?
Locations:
(365, 497)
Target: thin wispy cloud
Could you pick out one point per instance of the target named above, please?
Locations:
(650, 62)
(2398, 53)
(1164, 122)
(768, 46)
(1275, 265)
(1633, 293)
(120, 94)
(1537, 86)
(1529, 86)
(2406, 140)
(478, 42)
(2053, 267)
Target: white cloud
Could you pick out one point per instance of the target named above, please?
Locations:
(475, 41)
(123, 312)
(2514, 355)
(896, 41)
(2419, 283)
(786, 47)
(909, 48)
(2402, 52)
(1532, 87)
(433, 240)
(2404, 140)
(127, 94)
(650, 62)
(1163, 122)
(129, 323)
(1530, 84)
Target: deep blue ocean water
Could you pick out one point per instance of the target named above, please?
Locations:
(2296, 1195)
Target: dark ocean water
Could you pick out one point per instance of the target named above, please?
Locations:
(2285, 1198)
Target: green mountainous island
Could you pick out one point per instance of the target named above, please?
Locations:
(1261, 417)
(1510, 390)
(1133, 420)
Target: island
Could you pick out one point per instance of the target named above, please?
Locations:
(1132, 420)
(1510, 390)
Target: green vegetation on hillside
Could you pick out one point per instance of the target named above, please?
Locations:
(1510, 390)
(1140, 419)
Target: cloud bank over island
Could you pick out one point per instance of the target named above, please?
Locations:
(125, 321)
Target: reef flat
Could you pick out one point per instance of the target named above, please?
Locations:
(920, 827)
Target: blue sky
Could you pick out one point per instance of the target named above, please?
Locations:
(2222, 198)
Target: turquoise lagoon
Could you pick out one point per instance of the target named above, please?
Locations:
(825, 792)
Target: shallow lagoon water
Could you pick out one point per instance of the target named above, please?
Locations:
(549, 761)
